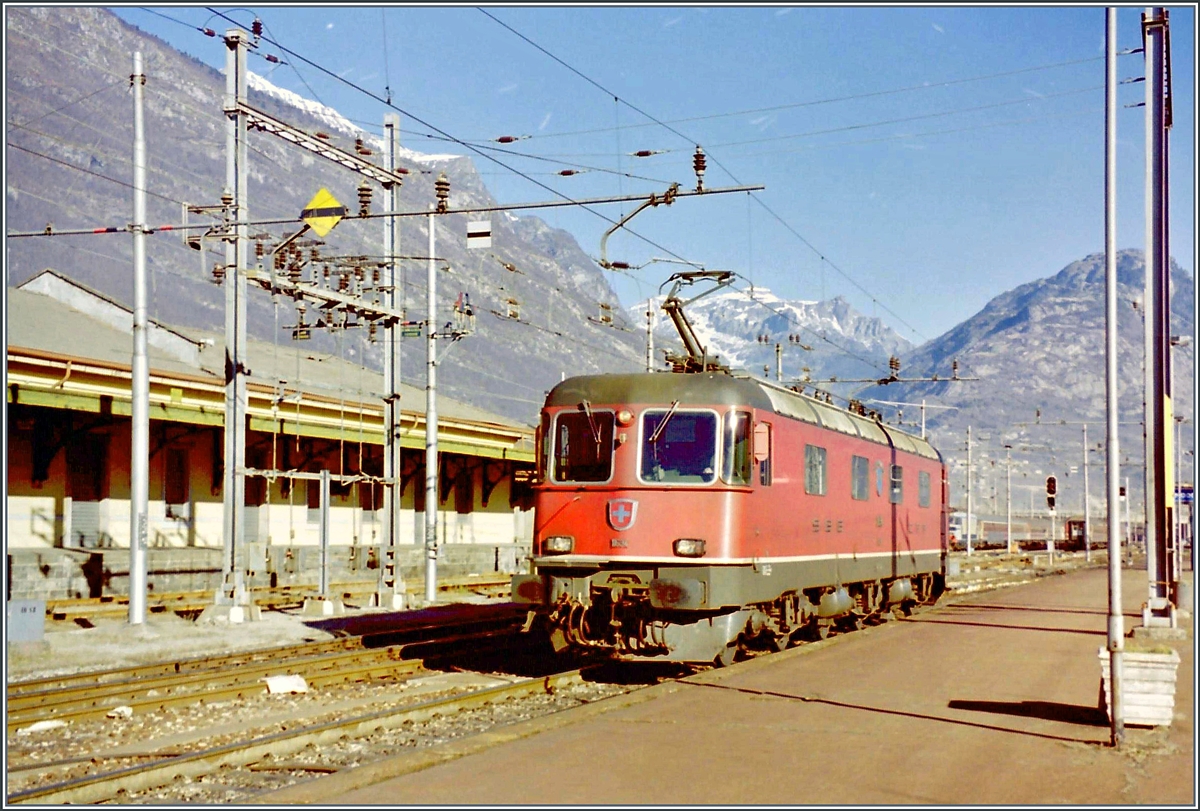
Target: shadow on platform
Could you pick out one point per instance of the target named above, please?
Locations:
(1046, 710)
(918, 716)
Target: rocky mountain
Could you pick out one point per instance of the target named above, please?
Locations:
(69, 164)
(831, 339)
(1038, 354)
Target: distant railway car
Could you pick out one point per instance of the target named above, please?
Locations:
(680, 517)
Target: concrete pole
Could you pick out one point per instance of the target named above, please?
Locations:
(431, 426)
(139, 470)
(1008, 458)
(922, 418)
(233, 590)
(1087, 512)
(324, 581)
(967, 529)
(1116, 620)
(778, 363)
(390, 589)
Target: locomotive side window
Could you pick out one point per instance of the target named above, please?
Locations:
(735, 466)
(814, 470)
(583, 446)
(897, 484)
(762, 452)
(860, 478)
(923, 489)
(679, 446)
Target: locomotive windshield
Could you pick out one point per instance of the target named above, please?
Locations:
(583, 446)
(679, 446)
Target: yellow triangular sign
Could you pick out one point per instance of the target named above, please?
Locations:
(323, 212)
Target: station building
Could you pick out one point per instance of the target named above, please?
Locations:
(69, 391)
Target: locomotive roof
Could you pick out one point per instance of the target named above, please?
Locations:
(730, 389)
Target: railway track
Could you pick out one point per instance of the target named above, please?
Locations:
(374, 655)
(257, 761)
(279, 597)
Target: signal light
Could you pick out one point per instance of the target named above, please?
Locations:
(1051, 485)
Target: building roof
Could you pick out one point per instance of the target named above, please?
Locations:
(66, 322)
(69, 318)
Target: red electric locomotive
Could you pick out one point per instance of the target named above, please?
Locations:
(680, 517)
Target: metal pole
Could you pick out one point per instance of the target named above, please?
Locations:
(922, 418)
(389, 580)
(324, 581)
(1153, 73)
(139, 470)
(778, 363)
(1053, 532)
(1008, 457)
(649, 335)
(969, 504)
(234, 483)
(431, 450)
(1087, 513)
(1116, 620)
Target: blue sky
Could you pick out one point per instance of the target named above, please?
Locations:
(936, 156)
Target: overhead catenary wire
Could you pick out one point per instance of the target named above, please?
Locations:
(815, 102)
(690, 141)
(459, 141)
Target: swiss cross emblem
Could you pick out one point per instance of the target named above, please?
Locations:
(621, 513)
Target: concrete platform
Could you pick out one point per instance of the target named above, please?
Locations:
(992, 700)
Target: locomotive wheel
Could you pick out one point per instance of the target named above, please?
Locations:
(726, 656)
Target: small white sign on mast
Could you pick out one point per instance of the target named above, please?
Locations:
(479, 234)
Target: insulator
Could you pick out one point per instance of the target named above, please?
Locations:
(256, 28)
(208, 32)
(568, 172)
(325, 272)
(894, 364)
(643, 153)
(698, 164)
(441, 190)
(294, 273)
(324, 136)
(218, 273)
(314, 255)
(360, 148)
(343, 283)
(259, 249)
(359, 273)
(507, 139)
(226, 198)
(364, 198)
(375, 276)
(272, 58)
(278, 260)
(372, 332)
(954, 367)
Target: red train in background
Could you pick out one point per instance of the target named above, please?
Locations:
(682, 517)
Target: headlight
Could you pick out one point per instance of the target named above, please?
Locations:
(689, 547)
(558, 544)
